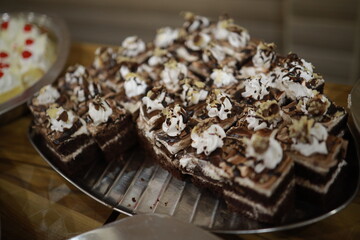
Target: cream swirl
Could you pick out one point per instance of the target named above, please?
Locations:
(183, 53)
(254, 122)
(308, 137)
(172, 74)
(165, 37)
(293, 90)
(87, 90)
(103, 57)
(266, 115)
(213, 51)
(124, 70)
(99, 111)
(156, 101)
(174, 122)
(220, 32)
(47, 94)
(208, 139)
(316, 106)
(193, 92)
(237, 36)
(77, 75)
(305, 69)
(264, 56)
(222, 77)
(220, 106)
(133, 46)
(198, 42)
(160, 56)
(266, 151)
(60, 119)
(256, 87)
(194, 22)
(134, 85)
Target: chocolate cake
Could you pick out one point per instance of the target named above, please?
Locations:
(216, 107)
(318, 157)
(111, 127)
(68, 139)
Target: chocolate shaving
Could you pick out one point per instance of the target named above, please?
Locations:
(63, 116)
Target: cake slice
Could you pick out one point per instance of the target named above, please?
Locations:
(111, 126)
(319, 158)
(42, 100)
(263, 186)
(68, 139)
(250, 171)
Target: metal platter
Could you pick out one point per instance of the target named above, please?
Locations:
(58, 31)
(140, 187)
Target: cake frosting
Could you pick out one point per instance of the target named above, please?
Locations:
(222, 77)
(193, 92)
(165, 37)
(266, 151)
(99, 111)
(256, 87)
(133, 46)
(214, 51)
(194, 22)
(198, 42)
(220, 106)
(172, 74)
(308, 137)
(208, 139)
(60, 119)
(234, 34)
(156, 100)
(47, 94)
(174, 122)
(134, 85)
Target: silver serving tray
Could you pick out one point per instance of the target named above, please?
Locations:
(141, 187)
(58, 31)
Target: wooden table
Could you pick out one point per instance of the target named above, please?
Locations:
(37, 203)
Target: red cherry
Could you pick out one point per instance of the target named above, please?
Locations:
(4, 25)
(27, 27)
(3, 55)
(26, 54)
(1, 74)
(4, 65)
(29, 41)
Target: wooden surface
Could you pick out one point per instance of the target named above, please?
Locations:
(37, 203)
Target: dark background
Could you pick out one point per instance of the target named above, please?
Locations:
(324, 32)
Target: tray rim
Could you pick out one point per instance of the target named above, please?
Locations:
(128, 212)
(62, 34)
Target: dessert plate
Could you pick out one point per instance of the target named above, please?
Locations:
(58, 31)
(141, 187)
